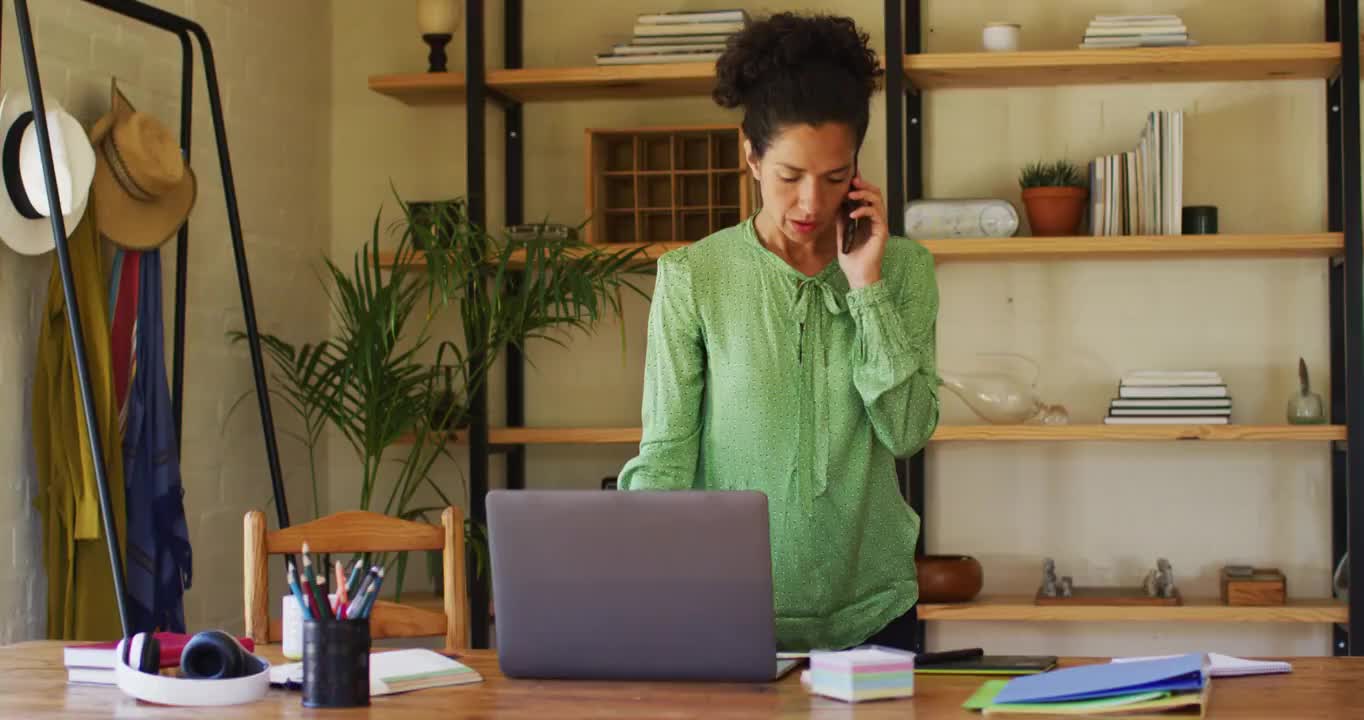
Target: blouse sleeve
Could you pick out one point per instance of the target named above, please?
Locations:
(895, 368)
(674, 372)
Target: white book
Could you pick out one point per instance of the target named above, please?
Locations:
(1198, 403)
(1173, 373)
(657, 59)
(1167, 411)
(1170, 381)
(1220, 665)
(91, 676)
(1168, 420)
(1172, 391)
(1135, 18)
(699, 39)
(646, 30)
(657, 49)
(682, 17)
(1129, 31)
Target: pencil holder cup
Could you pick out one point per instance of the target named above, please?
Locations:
(336, 663)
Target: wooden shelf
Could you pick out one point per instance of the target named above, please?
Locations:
(1021, 608)
(609, 82)
(1151, 247)
(1137, 246)
(421, 88)
(1200, 63)
(1106, 433)
(959, 433)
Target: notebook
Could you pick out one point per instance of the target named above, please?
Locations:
(1086, 682)
(1220, 665)
(395, 671)
(1154, 703)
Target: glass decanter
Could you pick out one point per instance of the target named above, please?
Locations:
(1002, 397)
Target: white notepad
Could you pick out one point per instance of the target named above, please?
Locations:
(396, 671)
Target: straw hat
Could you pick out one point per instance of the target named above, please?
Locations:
(145, 188)
(24, 208)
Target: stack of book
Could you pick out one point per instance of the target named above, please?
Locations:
(1171, 397)
(1118, 31)
(1141, 191)
(677, 37)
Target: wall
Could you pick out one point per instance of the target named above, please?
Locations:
(272, 73)
(1104, 511)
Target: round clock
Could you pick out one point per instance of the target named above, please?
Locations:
(966, 217)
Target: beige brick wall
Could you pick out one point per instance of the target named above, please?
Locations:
(272, 61)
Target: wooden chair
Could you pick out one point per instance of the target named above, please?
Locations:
(360, 531)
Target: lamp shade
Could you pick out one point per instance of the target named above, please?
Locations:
(437, 17)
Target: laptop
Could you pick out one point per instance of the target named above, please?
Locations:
(635, 585)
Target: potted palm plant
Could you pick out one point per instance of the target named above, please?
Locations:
(367, 381)
(1054, 197)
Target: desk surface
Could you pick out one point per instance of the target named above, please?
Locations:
(34, 686)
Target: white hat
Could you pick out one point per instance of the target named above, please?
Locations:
(24, 205)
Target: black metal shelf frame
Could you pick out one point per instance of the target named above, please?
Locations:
(184, 29)
(1346, 294)
(904, 140)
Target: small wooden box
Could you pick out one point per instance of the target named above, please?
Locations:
(1264, 586)
(665, 184)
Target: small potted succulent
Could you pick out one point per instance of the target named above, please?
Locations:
(1054, 197)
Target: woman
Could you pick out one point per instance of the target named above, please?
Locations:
(778, 362)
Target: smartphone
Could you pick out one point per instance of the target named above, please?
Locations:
(853, 228)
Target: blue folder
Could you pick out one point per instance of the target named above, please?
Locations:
(1182, 673)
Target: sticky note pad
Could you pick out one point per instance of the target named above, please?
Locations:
(864, 673)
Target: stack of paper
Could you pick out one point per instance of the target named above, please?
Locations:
(865, 673)
(1177, 683)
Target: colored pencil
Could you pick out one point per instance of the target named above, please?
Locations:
(297, 591)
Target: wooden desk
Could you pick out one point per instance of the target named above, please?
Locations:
(34, 686)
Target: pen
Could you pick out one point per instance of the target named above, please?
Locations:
(943, 656)
(297, 591)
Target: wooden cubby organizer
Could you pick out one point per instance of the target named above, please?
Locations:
(664, 184)
(1333, 61)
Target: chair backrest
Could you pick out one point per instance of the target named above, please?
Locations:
(360, 531)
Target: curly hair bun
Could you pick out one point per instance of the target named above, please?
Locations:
(786, 46)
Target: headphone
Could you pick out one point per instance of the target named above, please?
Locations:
(214, 670)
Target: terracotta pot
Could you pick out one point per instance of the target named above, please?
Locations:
(1055, 210)
(948, 578)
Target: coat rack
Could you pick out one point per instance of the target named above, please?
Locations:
(183, 29)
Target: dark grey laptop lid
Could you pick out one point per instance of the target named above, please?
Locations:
(632, 584)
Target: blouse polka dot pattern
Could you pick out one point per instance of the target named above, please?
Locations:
(758, 377)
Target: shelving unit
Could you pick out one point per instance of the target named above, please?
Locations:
(1334, 61)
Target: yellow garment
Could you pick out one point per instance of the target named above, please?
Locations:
(80, 585)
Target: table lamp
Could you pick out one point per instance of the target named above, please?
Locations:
(437, 19)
